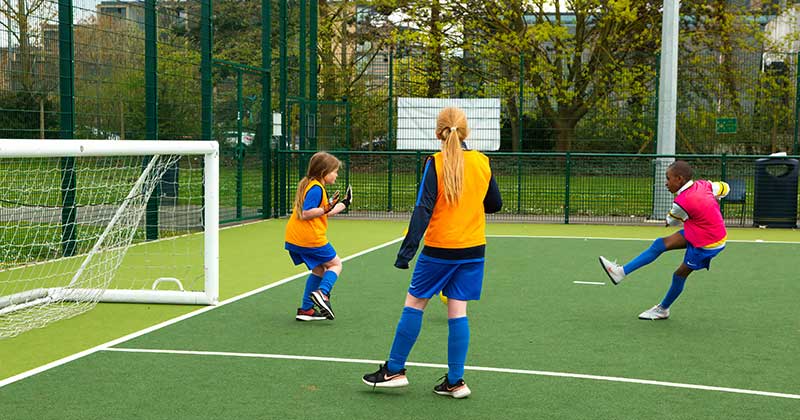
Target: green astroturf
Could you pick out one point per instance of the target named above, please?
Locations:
(732, 327)
(251, 256)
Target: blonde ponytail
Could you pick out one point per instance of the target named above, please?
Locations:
(451, 129)
(453, 165)
(299, 196)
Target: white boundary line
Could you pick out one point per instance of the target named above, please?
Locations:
(133, 335)
(596, 283)
(759, 241)
(475, 368)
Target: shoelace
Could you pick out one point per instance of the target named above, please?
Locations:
(379, 372)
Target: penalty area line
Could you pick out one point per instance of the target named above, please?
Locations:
(473, 368)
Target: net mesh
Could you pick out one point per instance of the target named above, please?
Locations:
(57, 260)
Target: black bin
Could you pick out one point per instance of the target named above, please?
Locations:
(169, 186)
(775, 200)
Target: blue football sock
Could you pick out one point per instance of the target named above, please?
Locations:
(674, 291)
(404, 338)
(328, 279)
(457, 345)
(649, 255)
(312, 283)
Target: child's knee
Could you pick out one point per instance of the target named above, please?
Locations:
(334, 264)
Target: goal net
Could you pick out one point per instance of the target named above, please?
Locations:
(87, 221)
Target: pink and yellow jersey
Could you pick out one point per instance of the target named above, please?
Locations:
(696, 206)
(310, 233)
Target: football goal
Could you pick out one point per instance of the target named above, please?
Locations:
(87, 221)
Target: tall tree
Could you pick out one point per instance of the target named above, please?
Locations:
(16, 17)
(353, 39)
(34, 64)
(586, 52)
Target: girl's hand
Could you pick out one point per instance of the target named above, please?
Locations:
(333, 200)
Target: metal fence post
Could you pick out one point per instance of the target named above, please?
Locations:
(303, 46)
(389, 184)
(520, 112)
(266, 108)
(280, 189)
(312, 71)
(239, 155)
(567, 174)
(66, 86)
(519, 184)
(206, 83)
(796, 148)
(390, 122)
(151, 109)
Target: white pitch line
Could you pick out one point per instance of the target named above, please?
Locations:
(475, 368)
(597, 283)
(169, 322)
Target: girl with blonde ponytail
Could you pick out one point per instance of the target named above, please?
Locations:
(457, 191)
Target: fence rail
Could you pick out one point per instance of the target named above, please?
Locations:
(557, 187)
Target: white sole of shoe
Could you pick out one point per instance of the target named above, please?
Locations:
(395, 383)
(306, 318)
(462, 392)
(320, 301)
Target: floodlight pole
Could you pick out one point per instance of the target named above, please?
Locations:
(667, 105)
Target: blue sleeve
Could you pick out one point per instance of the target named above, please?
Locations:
(426, 199)
(313, 198)
(493, 202)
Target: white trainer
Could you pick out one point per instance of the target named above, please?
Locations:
(655, 313)
(615, 271)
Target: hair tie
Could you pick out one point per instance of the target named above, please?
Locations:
(453, 129)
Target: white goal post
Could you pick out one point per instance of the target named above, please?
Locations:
(87, 221)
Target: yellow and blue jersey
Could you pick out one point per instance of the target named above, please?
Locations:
(310, 233)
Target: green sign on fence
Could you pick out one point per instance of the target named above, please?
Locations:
(726, 125)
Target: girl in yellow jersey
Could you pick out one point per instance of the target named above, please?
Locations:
(306, 238)
(457, 190)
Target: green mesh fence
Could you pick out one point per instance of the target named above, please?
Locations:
(237, 119)
(347, 104)
(130, 70)
(568, 188)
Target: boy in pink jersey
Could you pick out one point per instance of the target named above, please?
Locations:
(703, 234)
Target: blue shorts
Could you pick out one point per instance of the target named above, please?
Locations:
(699, 258)
(457, 279)
(312, 257)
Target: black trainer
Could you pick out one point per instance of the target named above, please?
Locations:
(384, 378)
(456, 390)
(324, 303)
(309, 315)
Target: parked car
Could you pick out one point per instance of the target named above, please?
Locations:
(378, 143)
(232, 137)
